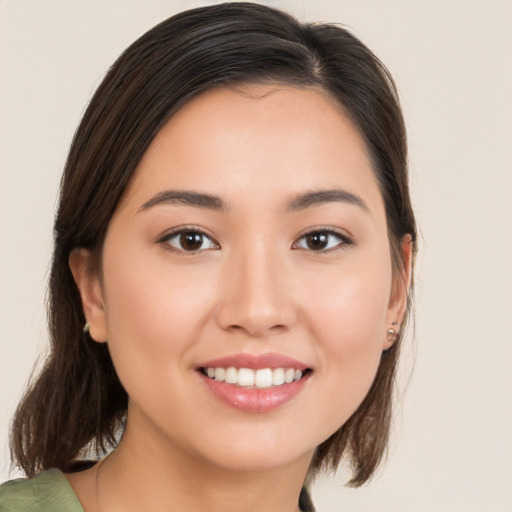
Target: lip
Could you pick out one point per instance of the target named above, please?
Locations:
(254, 400)
(254, 361)
(250, 399)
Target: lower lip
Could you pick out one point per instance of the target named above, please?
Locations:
(255, 400)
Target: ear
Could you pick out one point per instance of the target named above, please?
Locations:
(89, 287)
(400, 291)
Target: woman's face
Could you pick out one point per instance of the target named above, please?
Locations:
(251, 243)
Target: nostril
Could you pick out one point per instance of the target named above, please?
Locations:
(257, 332)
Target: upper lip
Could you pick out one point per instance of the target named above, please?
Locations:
(255, 361)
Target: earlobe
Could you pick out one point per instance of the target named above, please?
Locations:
(90, 292)
(400, 293)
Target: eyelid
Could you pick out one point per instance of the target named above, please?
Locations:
(165, 237)
(346, 240)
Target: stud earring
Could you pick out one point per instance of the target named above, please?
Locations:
(87, 328)
(392, 333)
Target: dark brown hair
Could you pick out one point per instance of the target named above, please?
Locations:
(77, 400)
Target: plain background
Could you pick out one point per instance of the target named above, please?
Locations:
(452, 60)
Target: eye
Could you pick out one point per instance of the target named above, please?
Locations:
(189, 240)
(323, 240)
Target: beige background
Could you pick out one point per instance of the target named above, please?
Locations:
(452, 448)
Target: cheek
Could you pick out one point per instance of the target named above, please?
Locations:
(352, 323)
(351, 304)
(152, 314)
(348, 322)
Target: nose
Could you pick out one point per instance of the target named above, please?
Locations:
(257, 294)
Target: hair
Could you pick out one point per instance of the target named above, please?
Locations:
(77, 401)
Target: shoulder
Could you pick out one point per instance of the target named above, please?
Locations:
(47, 491)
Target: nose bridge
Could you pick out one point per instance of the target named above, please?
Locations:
(256, 296)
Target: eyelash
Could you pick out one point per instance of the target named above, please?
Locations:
(343, 240)
(184, 230)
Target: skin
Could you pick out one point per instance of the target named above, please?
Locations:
(255, 286)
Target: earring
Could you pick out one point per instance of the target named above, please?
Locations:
(87, 328)
(392, 333)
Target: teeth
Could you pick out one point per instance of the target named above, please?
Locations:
(245, 377)
(231, 376)
(249, 378)
(278, 377)
(263, 378)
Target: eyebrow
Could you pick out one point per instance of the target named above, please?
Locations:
(186, 198)
(211, 202)
(320, 197)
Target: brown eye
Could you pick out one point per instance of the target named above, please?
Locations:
(322, 241)
(317, 241)
(190, 241)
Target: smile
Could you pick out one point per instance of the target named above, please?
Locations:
(255, 383)
(255, 379)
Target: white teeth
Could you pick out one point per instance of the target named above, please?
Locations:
(231, 375)
(278, 377)
(263, 378)
(288, 375)
(247, 377)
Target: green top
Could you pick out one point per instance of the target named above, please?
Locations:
(50, 492)
(46, 492)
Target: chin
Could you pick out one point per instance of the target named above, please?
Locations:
(256, 461)
(258, 449)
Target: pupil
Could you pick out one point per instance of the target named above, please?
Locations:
(317, 241)
(191, 241)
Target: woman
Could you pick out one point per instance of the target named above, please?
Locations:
(230, 282)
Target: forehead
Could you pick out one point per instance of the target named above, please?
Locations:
(266, 139)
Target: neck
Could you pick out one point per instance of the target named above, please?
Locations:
(143, 474)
